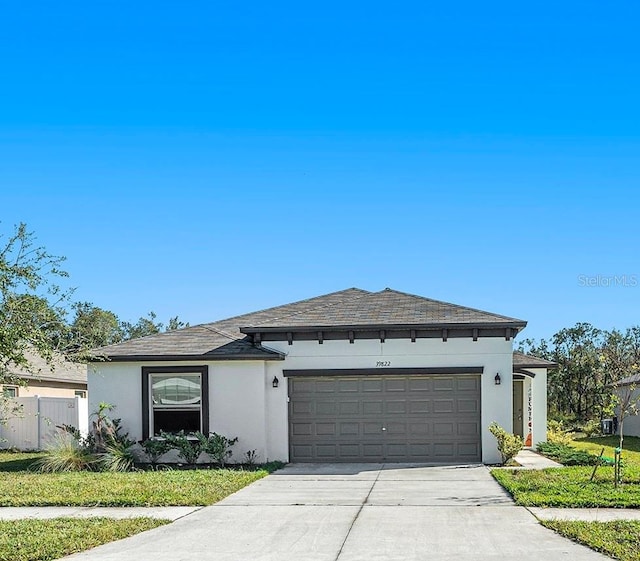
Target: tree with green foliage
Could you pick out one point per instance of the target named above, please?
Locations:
(93, 327)
(590, 361)
(32, 302)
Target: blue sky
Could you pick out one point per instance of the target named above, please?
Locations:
(215, 158)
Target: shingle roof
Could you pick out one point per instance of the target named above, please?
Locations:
(387, 307)
(629, 381)
(521, 360)
(56, 370)
(220, 339)
(226, 339)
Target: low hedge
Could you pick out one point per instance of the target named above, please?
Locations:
(568, 455)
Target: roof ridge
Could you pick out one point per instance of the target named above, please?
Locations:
(459, 306)
(222, 332)
(365, 292)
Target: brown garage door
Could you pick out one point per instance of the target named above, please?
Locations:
(385, 418)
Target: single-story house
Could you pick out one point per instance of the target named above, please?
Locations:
(353, 376)
(628, 389)
(56, 377)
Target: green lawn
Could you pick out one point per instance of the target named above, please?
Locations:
(42, 540)
(619, 539)
(21, 487)
(570, 486)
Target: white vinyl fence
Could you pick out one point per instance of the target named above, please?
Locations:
(35, 423)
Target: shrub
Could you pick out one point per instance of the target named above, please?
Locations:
(592, 428)
(154, 448)
(217, 446)
(557, 434)
(66, 453)
(105, 447)
(188, 448)
(508, 444)
(567, 455)
(118, 456)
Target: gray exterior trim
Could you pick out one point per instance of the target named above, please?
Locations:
(525, 372)
(444, 370)
(379, 326)
(352, 333)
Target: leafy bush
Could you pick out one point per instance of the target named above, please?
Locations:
(188, 448)
(154, 448)
(592, 428)
(567, 455)
(557, 434)
(508, 444)
(217, 446)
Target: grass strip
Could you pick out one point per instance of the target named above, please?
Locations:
(619, 539)
(145, 488)
(43, 540)
(569, 487)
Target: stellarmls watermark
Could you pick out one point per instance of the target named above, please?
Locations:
(608, 281)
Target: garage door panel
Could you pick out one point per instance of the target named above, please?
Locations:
(372, 452)
(302, 429)
(444, 450)
(326, 408)
(426, 419)
(419, 429)
(420, 385)
(468, 405)
(302, 407)
(397, 451)
(443, 405)
(374, 427)
(372, 385)
(350, 429)
(346, 386)
(347, 408)
(468, 429)
(468, 384)
(395, 406)
(325, 429)
(372, 407)
(395, 385)
(419, 406)
(469, 450)
(443, 384)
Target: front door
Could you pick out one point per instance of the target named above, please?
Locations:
(518, 399)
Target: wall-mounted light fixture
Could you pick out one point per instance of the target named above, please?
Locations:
(497, 379)
(275, 383)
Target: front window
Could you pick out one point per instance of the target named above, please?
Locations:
(174, 399)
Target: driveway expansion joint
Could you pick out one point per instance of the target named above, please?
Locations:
(364, 503)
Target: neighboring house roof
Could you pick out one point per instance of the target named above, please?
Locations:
(56, 370)
(231, 338)
(628, 381)
(521, 360)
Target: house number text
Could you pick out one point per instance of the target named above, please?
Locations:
(383, 363)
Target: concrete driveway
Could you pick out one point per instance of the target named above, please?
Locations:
(356, 512)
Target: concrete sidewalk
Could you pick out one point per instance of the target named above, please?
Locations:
(355, 512)
(528, 459)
